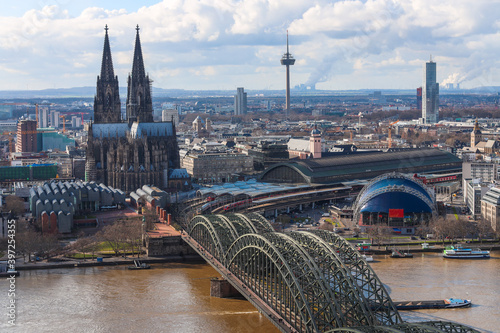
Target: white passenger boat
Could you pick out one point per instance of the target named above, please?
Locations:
(465, 253)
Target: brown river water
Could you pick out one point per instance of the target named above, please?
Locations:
(176, 297)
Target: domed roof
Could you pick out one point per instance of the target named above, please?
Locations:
(395, 191)
(396, 200)
(315, 132)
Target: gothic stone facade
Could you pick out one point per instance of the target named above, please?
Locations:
(127, 154)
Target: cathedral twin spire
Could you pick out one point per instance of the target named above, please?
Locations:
(107, 106)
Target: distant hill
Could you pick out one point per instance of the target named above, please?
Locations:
(89, 92)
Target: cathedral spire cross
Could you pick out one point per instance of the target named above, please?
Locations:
(106, 28)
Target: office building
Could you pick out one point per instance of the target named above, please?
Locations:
(490, 208)
(170, 114)
(26, 136)
(54, 119)
(43, 116)
(430, 94)
(240, 102)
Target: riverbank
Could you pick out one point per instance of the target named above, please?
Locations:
(433, 246)
(106, 261)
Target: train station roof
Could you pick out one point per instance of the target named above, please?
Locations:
(364, 165)
(250, 188)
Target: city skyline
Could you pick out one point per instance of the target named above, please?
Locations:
(222, 45)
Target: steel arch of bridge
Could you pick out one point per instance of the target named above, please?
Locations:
(315, 281)
(374, 293)
(424, 327)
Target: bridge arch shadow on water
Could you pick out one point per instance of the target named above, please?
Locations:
(304, 281)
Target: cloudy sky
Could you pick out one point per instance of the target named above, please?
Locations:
(224, 44)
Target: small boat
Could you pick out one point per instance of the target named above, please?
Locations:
(367, 258)
(139, 265)
(398, 254)
(447, 303)
(465, 253)
(457, 303)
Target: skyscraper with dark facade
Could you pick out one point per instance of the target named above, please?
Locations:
(430, 94)
(135, 151)
(240, 102)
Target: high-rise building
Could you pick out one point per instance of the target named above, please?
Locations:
(76, 122)
(430, 94)
(419, 98)
(287, 60)
(44, 116)
(170, 114)
(26, 136)
(240, 102)
(54, 119)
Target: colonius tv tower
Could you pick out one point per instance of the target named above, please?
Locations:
(287, 60)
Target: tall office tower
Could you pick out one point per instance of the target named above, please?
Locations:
(44, 116)
(430, 94)
(76, 122)
(139, 102)
(54, 119)
(26, 136)
(240, 102)
(287, 60)
(170, 114)
(419, 98)
(107, 106)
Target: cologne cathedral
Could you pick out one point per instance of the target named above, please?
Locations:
(135, 151)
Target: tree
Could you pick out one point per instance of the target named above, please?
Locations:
(483, 229)
(113, 236)
(15, 205)
(380, 234)
(81, 244)
(150, 218)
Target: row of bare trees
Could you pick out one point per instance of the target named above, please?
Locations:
(451, 228)
(123, 236)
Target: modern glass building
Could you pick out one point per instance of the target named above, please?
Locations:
(430, 94)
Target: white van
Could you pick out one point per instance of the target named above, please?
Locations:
(325, 215)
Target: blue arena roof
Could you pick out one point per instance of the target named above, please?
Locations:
(395, 182)
(396, 200)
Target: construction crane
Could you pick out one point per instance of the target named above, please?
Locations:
(64, 123)
(390, 134)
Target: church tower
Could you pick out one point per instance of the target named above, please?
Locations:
(139, 103)
(476, 136)
(315, 143)
(107, 107)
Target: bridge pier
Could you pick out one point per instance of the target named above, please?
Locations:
(221, 288)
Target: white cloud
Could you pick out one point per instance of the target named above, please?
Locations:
(240, 42)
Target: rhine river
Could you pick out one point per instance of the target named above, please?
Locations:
(176, 297)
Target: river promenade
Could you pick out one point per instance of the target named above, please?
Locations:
(61, 262)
